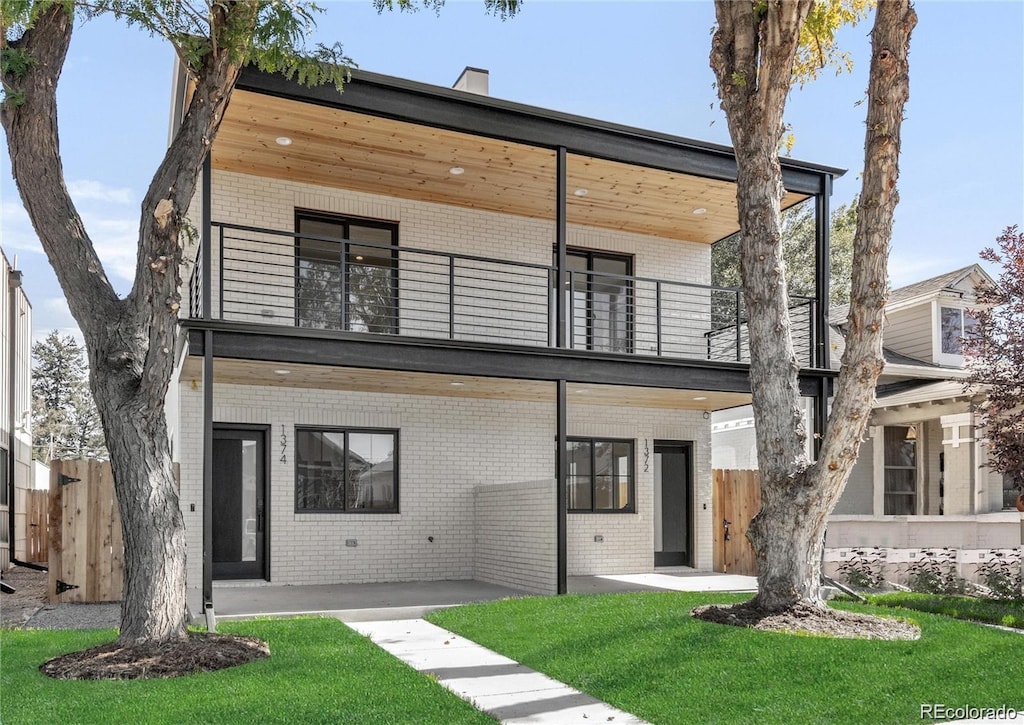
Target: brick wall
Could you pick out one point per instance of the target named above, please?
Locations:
(628, 539)
(515, 535)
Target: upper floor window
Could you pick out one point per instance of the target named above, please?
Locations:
(599, 295)
(346, 274)
(346, 470)
(955, 324)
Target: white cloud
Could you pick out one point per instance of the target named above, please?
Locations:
(90, 190)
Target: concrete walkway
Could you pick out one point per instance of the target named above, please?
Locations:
(497, 685)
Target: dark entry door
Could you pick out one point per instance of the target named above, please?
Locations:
(672, 503)
(239, 495)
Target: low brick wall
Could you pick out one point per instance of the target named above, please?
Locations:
(515, 535)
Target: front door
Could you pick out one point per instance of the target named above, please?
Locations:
(672, 503)
(239, 494)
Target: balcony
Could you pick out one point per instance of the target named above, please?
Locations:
(328, 285)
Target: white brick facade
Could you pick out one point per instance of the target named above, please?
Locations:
(448, 447)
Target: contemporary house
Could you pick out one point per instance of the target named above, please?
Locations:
(15, 412)
(436, 335)
(922, 480)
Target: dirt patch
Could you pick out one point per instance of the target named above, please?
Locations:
(199, 652)
(807, 619)
(29, 595)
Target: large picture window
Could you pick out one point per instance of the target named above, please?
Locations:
(354, 260)
(346, 470)
(600, 476)
(900, 470)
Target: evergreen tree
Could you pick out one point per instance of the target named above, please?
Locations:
(65, 423)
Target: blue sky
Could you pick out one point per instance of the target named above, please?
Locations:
(638, 63)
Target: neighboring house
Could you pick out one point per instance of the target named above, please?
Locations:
(921, 479)
(436, 335)
(15, 412)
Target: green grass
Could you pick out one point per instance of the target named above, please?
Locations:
(319, 671)
(992, 611)
(644, 654)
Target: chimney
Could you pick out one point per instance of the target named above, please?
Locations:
(472, 80)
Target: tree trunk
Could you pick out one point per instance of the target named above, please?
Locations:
(130, 341)
(753, 52)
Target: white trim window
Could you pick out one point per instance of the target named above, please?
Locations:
(954, 324)
(900, 470)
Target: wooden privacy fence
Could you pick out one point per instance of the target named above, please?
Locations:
(736, 498)
(37, 534)
(86, 550)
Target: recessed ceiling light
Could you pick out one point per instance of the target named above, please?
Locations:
(582, 391)
(283, 141)
(456, 170)
(700, 210)
(456, 385)
(701, 397)
(359, 258)
(581, 192)
(282, 372)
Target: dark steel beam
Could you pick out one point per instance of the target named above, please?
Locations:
(207, 240)
(428, 105)
(290, 345)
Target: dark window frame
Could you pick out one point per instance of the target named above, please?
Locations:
(591, 255)
(346, 221)
(593, 440)
(394, 432)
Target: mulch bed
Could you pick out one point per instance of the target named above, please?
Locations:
(808, 619)
(199, 652)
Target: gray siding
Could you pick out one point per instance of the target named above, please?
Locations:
(909, 332)
(858, 496)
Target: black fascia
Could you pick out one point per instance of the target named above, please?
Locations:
(424, 104)
(266, 343)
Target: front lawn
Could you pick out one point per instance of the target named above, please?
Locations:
(643, 653)
(319, 671)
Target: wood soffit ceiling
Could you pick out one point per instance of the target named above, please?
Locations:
(250, 372)
(343, 149)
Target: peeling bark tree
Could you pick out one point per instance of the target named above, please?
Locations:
(753, 54)
(130, 341)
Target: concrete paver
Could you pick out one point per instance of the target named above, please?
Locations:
(501, 687)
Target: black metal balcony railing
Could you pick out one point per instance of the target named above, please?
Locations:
(309, 281)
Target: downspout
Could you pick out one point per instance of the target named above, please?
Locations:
(822, 273)
(14, 283)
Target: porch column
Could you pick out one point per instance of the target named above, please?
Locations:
(562, 469)
(877, 434)
(561, 338)
(207, 469)
(207, 241)
(958, 449)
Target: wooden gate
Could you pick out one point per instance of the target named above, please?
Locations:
(736, 499)
(86, 551)
(37, 533)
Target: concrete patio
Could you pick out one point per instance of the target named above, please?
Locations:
(410, 600)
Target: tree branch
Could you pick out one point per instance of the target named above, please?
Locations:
(30, 120)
